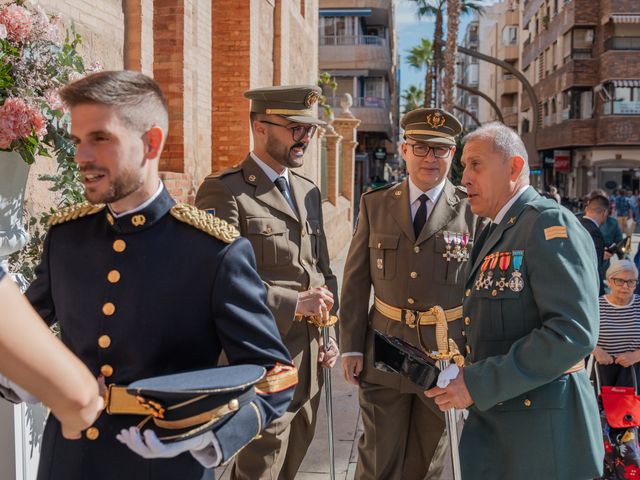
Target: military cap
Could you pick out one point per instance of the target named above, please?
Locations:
(431, 125)
(293, 102)
(183, 405)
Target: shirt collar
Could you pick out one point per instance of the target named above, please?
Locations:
(596, 223)
(503, 211)
(142, 206)
(433, 193)
(270, 172)
(144, 216)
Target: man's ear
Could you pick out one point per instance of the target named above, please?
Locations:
(517, 164)
(153, 139)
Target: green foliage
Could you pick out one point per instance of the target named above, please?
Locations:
(412, 98)
(325, 79)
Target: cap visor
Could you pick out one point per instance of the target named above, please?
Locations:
(305, 119)
(430, 139)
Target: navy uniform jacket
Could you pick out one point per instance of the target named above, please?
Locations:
(531, 314)
(148, 294)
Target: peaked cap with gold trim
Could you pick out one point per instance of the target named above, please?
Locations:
(432, 125)
(293, 102)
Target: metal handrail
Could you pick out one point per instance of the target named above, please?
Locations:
(342, 40)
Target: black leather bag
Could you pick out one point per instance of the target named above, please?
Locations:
(393, 355)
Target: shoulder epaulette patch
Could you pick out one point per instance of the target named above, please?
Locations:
(279, 378)
(202, 220)
(555, 232)
(74, 212)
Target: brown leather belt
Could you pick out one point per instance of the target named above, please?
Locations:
(413, 317)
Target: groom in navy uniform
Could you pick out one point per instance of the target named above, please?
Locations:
(141, 287)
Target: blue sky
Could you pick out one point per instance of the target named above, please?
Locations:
(409, 32)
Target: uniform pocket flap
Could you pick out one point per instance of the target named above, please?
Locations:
(266, 226)
(384, 241)
(551, 395)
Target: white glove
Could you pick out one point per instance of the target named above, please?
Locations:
(204, 448)
(18, 390)
(444, 377)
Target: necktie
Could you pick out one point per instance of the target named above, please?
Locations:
(421, 216)
(281, 183)
(486, 233)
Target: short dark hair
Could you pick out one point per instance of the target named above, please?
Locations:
(138, 99)
(598, 202)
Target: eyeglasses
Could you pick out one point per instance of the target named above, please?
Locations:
(422, 150)
(298, 132)
(618, 282)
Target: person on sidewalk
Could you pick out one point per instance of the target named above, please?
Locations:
(595, 215)
(411, 243)
(144, 287)
(531, 318)
(280, 212)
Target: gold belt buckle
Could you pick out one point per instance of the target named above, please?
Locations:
(410, 318)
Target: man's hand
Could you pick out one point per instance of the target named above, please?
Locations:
(152, 447)
(315, 301)
(602, 357)
(455, 395)
(329, 357)
(607, 255)
(627, 359)
(352, 367)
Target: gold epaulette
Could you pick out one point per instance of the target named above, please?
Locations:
(74, 212)
(214, 226)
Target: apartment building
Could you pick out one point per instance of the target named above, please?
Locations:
(357, 48)
(583, 57)
(494, 33)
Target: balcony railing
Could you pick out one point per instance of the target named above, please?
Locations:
(622, 43)
(344, 40)
(362, 102)
(578, 54)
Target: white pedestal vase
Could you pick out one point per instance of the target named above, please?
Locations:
(21, 426)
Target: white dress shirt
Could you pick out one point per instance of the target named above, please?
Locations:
(270, 172)
(503, 211)
(142, 206)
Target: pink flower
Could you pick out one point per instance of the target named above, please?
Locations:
(18, 22)
(53, 100)
(19, 120)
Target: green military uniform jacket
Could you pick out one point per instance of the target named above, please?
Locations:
(405, 272)
(291, 252)
(529, 321)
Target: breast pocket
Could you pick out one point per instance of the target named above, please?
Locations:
(502, 313)
(383, 252)
(314, 229)
(447, 269)
(270, 240)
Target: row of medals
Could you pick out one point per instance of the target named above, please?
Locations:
(487, 276)
(456, 246)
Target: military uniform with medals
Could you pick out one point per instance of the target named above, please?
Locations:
(161, 290)
(291, 250)
(409, 275)
(531, 317)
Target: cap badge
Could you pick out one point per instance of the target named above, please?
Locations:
(436, 120)
(311, 98)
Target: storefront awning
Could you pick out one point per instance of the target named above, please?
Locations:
(345, 12)
(630, 18)
(626, 83)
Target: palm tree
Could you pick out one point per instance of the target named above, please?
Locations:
(453, 23)
(419, 57)
(433, 8)
(436, 8)
(412, 98)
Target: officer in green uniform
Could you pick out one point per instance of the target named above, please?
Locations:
(531, 317)
(411, 245)
(280, 212)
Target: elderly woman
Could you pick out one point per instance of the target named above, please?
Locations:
(619, 340)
